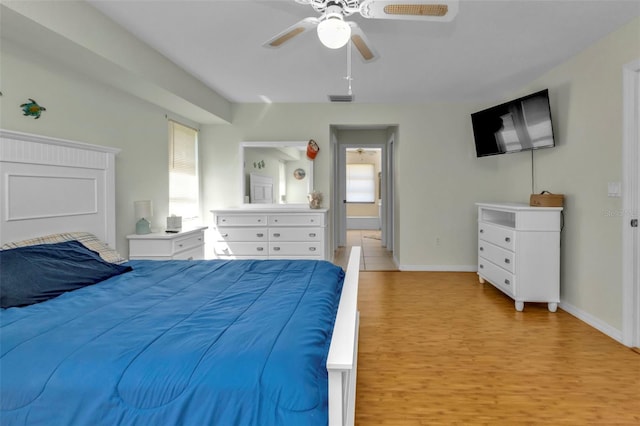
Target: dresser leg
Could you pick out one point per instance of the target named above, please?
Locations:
(480, 279)
(552, 306)
(519, 306)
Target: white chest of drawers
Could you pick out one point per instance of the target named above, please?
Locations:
(185, 245)
(270, 233)
(519, 251)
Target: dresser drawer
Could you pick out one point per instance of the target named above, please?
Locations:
(497, 276)
(241, 220)
(497, 235)
(300, 219)
(296, 248)
(295, 234)
(232, 248)
(241, 234)
(186, 243)
(497, 255)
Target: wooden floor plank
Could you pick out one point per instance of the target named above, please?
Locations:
(440, 348)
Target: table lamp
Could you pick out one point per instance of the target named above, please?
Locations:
(143, 213)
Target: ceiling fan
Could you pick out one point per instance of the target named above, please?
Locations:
(334, 32)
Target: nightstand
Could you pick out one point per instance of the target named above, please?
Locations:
(186, 245)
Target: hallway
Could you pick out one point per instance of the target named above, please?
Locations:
(374, 256)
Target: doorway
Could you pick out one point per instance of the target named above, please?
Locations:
(630, 204)
(363, 194)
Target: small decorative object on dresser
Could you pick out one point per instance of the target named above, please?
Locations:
(270, 233)
(315, 200)
(185, 245)
(519, 251)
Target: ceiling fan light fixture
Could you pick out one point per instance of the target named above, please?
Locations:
(333, 32)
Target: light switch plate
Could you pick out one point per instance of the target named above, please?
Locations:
(614, 189)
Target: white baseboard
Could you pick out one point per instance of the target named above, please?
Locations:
(439, 268)
(594, 322)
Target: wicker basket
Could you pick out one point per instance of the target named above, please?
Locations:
(546, 199)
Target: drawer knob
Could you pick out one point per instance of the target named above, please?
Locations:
(481, 266)
(275, 220)
(277, 234)
(190, 258)
(482, 231)
(224, 220)
(179, 245)
(507, 282)
(259, 235)
(312, 249)
(259, 220)
(507, 261)
(507, 239)
(260, 248)
(313, 234)
(312, 220)
(276, 249)
(225, 235)
(481, 248)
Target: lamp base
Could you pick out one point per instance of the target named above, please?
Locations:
(143, 226)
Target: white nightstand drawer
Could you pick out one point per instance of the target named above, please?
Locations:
(187, 243)
(241, 248)
(497, 276)
(314, 219)
(497, 235)
(241, 234)
(295, 248)
(296, 234)
(497, 255)
(241, 220)
(196, 253)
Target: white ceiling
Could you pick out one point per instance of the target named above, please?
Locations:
(490, 49)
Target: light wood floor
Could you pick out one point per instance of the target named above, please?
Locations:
(374, 256)
(441, 349)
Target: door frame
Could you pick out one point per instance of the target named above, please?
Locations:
(339, 187)
(630, 205)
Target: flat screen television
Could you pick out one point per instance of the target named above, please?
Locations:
(520, 125)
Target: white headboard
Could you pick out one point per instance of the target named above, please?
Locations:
(50, 185)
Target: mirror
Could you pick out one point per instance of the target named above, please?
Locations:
(276, 172)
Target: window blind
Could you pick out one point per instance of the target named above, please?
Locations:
(361, 183)
(183, 171)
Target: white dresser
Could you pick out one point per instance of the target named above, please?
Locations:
(185, 245)
(270, 233)
(519, 251)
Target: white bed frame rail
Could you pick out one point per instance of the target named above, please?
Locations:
(342, 361)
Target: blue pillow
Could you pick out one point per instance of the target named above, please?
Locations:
(37, 273)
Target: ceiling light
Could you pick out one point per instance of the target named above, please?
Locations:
(333, 32)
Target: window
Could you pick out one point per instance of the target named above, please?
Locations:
(361, 187)
(183, 171)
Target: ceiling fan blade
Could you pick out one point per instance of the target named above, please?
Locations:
(361, 42)
(291, 32)
(420, 10)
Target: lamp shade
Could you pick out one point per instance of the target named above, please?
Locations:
(143, 209)
(333, 32)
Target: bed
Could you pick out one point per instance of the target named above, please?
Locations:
(159, 342)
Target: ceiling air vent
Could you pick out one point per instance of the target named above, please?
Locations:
(341, 98)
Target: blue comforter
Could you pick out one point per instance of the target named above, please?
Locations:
(175, 343)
